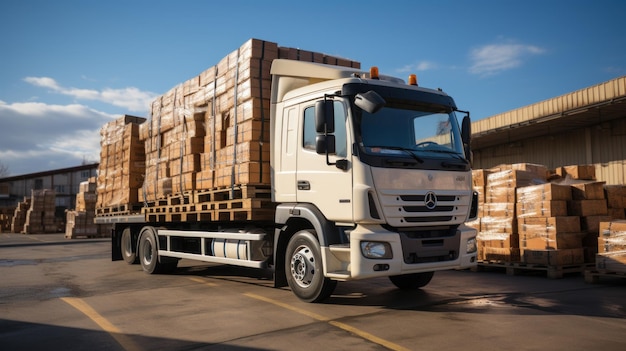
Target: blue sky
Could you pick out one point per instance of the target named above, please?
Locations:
(69, 66)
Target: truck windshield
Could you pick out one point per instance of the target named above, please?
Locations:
(399, 131)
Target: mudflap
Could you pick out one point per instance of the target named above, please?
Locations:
(116, 244)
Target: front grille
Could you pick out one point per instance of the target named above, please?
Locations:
(402, 210)
(421, 198)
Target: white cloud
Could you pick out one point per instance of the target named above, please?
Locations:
(130, 98)
(495, 58)
(38, 137)
(419, 67)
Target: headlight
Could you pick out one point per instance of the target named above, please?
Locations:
(471, 245)
(374, 249)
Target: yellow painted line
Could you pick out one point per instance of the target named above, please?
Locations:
(202, 281)
(313, 315)
(363, 334)
(126, 342)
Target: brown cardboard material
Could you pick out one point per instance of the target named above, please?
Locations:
(554, 257)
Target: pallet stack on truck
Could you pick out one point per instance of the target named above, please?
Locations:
(203, 154)
(557, 221)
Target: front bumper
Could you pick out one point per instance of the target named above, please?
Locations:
(351, 264)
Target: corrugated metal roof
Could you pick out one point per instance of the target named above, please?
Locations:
(596, 104)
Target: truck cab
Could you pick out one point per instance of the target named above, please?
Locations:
(372, 177)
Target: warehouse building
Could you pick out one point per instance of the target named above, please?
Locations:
(65, 182)
(585, 127)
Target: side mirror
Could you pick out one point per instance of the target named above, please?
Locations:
(325, 144)
(324, 117)
(466, 136)
(370, 102)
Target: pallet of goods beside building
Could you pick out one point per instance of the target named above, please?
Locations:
(611, 256)
(6, 216)
(40, 216)
(207, 142)
(80, 221)
(19, 215)
(533, 219)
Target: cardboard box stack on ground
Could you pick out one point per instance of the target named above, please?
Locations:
(80, 222)
(19, 215)
(616, 201)
(212, 132)
(498, 237)
(558, 221)
(122, 165)
(611, 255)
(40, 217)
(6, 216)
(548, 235)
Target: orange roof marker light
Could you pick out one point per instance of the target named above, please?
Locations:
(412, 79)
(374, 72)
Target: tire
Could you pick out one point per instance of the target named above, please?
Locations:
(411, 281)
(303, 268)
(127, 248)
(148, 251)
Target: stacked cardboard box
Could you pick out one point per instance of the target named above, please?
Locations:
(498, 237)
(611, 255)
(577, 172)
(616, 201)
(40, 216)
(548, 235)
(19, 216)
(212, 131)
(558, 223)
(80, 222)
(6, 216)
(122, 164)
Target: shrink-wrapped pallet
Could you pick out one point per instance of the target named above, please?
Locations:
(40, 217)
(80, 221)
(212, 132)
(612, 247)
(122, 165)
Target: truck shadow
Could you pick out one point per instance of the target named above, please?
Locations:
(485, 292)
(18, 336)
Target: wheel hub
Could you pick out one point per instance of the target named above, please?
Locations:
(303, 266)
(147, 253)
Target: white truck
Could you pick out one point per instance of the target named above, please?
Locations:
(370, 175)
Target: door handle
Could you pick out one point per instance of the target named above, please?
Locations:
(304, 185)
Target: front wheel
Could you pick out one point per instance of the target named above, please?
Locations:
(303, 267)
(411, 281)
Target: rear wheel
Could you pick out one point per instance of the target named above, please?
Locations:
(303, 267)
(127, 248)
(148, 250)
(411, 281)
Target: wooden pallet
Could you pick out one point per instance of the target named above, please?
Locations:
(242, 203)
(593, 276)
(234, 193)
(520, 268)
(124, 209)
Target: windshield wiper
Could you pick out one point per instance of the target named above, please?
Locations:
(447, 164)
(399, 148)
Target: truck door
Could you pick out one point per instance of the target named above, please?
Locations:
(326, 186)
